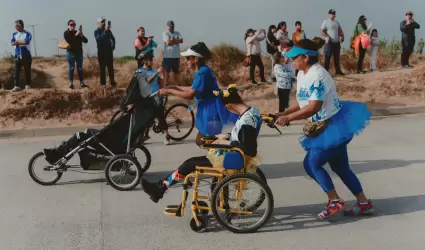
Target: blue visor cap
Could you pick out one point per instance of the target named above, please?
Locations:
(296, 51)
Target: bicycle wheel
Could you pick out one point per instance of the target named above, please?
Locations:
(53, 175)
(128, 172)
(143, 156)
(180, 120)
(233, 213)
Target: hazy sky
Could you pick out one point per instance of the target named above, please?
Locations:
(209, 21)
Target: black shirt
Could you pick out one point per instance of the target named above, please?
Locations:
(75, 42)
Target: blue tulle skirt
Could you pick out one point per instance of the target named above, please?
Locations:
(212, 116)
(343, 126)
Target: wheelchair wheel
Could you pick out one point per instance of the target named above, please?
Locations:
(203, 223)
(123, 172)
(180, 120)
(38, 167)
(232, 207)
(259, 172)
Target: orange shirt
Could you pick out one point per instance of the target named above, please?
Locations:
(298, 35)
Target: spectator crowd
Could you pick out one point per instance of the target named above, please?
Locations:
(278, 42)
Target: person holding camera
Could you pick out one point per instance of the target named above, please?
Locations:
(143, 44)
(105, 48)
(74, 53)
(253, 50)
(407, 28)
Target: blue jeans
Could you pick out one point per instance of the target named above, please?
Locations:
(338, 161)
(72, 59)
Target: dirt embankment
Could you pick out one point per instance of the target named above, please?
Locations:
(52, 103)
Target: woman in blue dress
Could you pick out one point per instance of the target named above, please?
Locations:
(334, 125)
(211, 115)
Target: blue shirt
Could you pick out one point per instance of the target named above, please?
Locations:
(24, 50)
(105, 40)
(149, 73)
(205, 83)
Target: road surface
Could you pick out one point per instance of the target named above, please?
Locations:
(83, 212)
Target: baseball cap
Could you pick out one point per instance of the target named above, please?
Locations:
(170, 23)
(100, 19)
(409, 13)
(332, 11)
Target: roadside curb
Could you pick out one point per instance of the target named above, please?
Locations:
(377, 113)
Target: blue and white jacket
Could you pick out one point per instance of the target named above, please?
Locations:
(24, 50)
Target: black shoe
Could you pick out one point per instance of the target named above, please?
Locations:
(52, 155)
(155, 190)
(113, 84)
(83, 85)
(339, 73)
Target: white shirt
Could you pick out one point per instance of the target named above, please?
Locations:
(250, 117)
(318, 85)
(172, 51)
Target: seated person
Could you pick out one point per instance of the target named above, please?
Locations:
(155, 80)
(243, 136)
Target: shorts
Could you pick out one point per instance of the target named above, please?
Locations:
(171, 64)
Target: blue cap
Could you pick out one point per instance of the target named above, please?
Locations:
(296, 51)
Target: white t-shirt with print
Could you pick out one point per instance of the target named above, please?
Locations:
(318, 85)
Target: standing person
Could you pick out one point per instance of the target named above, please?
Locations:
(332, 31)
(334, 124)
(75, 39)
(211, 115)
(143, 43)
(407, 28)
(21, 39)
(299, 33)
(105, 51)
(374, 41)
(171, 61)
(282, 36)
(361, 29)
(283, 80)
(272, 44)
(421, 44)
(154, 78)
(253, 50)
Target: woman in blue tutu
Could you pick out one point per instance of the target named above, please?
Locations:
(211, 115)
(332, 125)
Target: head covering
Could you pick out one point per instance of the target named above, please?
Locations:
(229, 95)
(332, 11)
(170, 23)
(198, 50)
(100, 19)
(296, 51)
(248, 31)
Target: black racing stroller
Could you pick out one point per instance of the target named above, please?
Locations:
(117, 148)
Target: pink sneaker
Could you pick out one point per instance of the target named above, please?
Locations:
(360, 209)
(332, 208)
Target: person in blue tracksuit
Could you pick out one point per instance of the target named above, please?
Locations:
(21, 40)
(105, 49)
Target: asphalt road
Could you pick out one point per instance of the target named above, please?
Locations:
(83, 212)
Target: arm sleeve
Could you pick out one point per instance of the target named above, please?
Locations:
(251, 38)
(137, 42)
(84, 39)
(28, 38)
(112, 39)
(416, 25)
(247, 140)
(198, 83)
(402, 26)
(66, 37)
(12, 40)
(317, 89)
(323, 26)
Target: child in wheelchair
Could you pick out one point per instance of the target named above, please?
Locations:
(244, 136)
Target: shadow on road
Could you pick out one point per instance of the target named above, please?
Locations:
(304, 217)
(295, 169)
(81, 182)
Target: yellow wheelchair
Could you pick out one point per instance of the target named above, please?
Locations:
(229, 201)
(240, 200)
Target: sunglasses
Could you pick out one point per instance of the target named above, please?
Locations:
(72, 24)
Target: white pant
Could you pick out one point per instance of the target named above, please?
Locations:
(373, 55)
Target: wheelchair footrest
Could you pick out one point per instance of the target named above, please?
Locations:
(173, 210)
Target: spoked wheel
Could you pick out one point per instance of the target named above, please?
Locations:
(42, 172)
(180, 120)
(233, 199)
(143, 156)
(123, 172)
